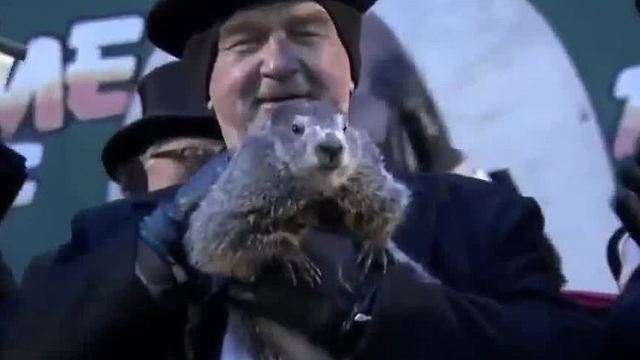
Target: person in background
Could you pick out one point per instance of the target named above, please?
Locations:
(169, 143)
(165, 147)
(174, 137)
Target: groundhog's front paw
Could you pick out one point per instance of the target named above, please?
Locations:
(269, 356)
(265, 353)
(372, 255)
(200, 259)
(237, 265)
(301, 267)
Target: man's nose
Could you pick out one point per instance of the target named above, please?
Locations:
(279, 60)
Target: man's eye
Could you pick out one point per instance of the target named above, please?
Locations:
(307, 37)
(243, 45)
(305, 33)
(190, 152)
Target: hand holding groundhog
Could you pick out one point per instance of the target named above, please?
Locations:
(324, 314)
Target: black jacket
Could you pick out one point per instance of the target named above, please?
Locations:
(13, 173)
(500, 298)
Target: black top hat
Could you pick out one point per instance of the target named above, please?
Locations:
(171, 23)
(168, 111)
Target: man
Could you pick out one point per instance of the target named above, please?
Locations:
(499, 297)
(169, 143)
(163, 148)
(263, 54)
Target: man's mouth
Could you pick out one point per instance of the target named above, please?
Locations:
(276, 100)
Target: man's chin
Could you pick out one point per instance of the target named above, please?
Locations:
(265, 110)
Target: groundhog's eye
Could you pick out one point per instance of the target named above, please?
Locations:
(297, 129)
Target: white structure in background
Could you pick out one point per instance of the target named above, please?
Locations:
(512, 98)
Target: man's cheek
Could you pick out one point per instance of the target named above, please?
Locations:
(340, 94)
(233, 136)
(336, 81)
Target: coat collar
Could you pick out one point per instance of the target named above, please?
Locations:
(153, 198)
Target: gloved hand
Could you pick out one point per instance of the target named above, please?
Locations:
(12, 175)
(331, 315)
(160, 262)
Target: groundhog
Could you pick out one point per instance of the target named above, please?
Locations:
(261, 206)
(277, 185)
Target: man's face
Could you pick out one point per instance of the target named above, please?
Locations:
(173, 161)
(274, 54)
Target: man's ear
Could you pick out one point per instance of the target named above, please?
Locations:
(352, 88)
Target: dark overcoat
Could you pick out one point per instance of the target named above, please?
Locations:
(499, 297)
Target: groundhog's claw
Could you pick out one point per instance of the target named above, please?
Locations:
(302, 267)
(374, 255)
(266, 354)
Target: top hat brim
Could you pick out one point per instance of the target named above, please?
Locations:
(134, 139)
(171, 23)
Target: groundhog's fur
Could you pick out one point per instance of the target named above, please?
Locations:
(261, 206)
(268, 196)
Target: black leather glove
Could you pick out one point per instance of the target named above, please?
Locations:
(12, 175)
(161, 262)
(331, 315)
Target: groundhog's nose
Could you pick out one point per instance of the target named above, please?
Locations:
(329, 151)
